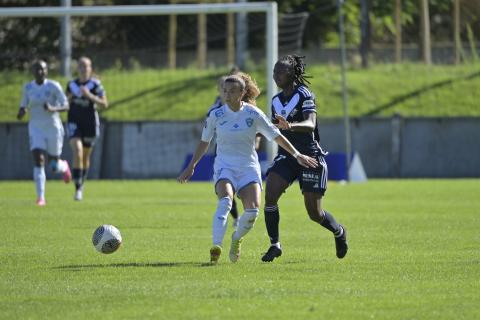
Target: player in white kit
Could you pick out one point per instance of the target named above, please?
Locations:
(236, 167)
(44, 99)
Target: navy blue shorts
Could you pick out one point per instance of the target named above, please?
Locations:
(310, 179)
(87, 132)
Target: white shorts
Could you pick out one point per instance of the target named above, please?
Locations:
(240, 177)
(48, 139)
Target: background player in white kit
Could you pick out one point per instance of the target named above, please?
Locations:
(44, 98)
(236, 168)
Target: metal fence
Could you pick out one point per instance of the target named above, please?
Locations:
(388, 147)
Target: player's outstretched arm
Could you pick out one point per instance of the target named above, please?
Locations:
(303, 160)
(189, 170)
(59, 108)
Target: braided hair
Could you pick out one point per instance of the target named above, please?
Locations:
(298, 67)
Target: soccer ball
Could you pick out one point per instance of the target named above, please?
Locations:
(107, 239)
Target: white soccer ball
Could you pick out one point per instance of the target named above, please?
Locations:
(107, 239)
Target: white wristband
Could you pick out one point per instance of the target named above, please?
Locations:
(296, 154)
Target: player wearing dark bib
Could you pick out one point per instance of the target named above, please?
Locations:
(294, 112)
(84, 93)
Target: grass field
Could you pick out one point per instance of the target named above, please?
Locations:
(185, 94)
(414, 254)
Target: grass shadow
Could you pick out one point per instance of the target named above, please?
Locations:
(78, 267)
(418, 92)
(162, 90)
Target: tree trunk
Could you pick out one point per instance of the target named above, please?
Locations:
(456, 31)
(398, 31)
(365, 32)
(425, 32)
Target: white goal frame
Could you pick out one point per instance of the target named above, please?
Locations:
(269, 8)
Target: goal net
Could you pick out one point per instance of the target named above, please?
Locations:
(159, 65)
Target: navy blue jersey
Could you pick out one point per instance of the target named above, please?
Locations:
(294, 109)
(83, 109)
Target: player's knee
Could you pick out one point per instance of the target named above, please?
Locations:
(314, 214)
(251, 215)
(271, 199)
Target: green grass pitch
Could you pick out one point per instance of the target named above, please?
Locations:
(414, 254)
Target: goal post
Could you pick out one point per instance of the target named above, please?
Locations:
(269, 8)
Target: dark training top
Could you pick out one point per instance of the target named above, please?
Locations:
(83, 109)
(293, 109)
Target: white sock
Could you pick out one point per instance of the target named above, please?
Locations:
(247, 220)
(39, 178)
(219, 224)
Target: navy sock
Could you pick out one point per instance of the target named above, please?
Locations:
(77, 175)
(329, 223)
(272, 220)
(234, 210)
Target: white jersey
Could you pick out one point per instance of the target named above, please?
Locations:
(236, 133)
(35, 96)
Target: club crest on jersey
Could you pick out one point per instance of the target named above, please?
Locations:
(249, 122)
(283, 112)
(219, 113)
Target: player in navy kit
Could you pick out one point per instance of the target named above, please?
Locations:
(84, 93)
(294, 112)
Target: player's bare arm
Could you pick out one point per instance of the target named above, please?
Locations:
(202, 147)
(59, 108)
(307, 125)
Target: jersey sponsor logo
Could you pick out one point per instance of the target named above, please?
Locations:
(249, 122)
(81, 102)
(310, 177)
